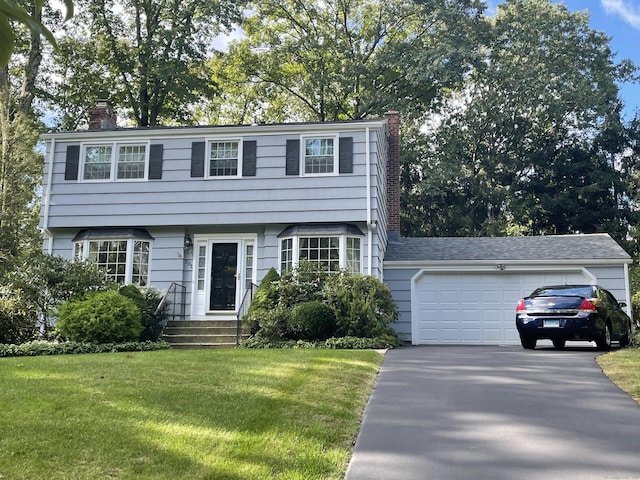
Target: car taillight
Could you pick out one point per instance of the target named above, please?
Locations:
(521, 307)
(588, 306)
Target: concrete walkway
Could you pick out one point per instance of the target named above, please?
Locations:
(496, 413)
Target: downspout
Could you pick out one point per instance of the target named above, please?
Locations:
(627, 288)
(47, 199)
(369, 224)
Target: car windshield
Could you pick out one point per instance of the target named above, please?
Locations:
(582, 291)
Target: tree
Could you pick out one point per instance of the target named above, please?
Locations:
(528, 145)
(10, 13)
(146, 56)
(348, 59)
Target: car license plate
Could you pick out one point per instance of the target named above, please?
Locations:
(551, 323)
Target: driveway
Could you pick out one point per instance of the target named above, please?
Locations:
(496, 413)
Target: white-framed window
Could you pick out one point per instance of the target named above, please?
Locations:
(320, 155)
(224, 158)
(124, 260)
(114, 161)
(330, 252)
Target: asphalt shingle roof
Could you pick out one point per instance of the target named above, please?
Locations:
(548, 247)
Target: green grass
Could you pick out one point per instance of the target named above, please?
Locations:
(199, 414)
(623, 368)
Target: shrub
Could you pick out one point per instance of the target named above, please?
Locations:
(635, 308)
(42, 282)
(265, 299)
(304, 283)
(147, 299)
(16, 322)
(37, 348)
(362, 304)
(273, 323)
(311, 321)
(100, 317)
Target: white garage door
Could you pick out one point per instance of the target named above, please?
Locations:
(475, 308)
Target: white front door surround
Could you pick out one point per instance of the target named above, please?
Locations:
(223, 265)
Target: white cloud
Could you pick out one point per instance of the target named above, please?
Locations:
(628, 12)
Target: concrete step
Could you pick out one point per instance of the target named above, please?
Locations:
(201, 334)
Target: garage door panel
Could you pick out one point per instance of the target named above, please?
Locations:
(476, 308)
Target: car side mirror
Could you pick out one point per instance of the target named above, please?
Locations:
(622, 304)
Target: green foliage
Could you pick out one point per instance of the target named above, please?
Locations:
(311, 321)
(526, 146)
(16, 323)
(363, 305)
(101, 317)
(303, 283)
(264, 300)
(348, 343)
(147, 299)
(309, 305)
(635, 308)
(40, 347)
(42, 282)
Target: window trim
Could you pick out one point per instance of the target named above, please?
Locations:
(207, 157)
(295, 238)
(115, 154)
(303, 157)
(81, 252)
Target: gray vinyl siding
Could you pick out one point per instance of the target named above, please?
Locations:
(399, 281)
(269, 197)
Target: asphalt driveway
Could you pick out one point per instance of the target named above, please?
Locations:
(496, 413)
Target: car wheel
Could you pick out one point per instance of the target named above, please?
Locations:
(528, 342)
(603, 342)
(625, 339)
(559, 343)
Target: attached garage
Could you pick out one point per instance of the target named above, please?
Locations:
(464, 290)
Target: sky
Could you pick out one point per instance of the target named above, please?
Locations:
(619, 20)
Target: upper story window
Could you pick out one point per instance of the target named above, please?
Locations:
(108, 162)
(319, 156)
(124, 254)
(224, 158)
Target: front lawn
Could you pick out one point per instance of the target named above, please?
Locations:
(196, 414)
(623, 368)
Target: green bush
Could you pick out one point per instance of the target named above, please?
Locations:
(635, 308)
(16, 322)
(45, 281)
(362, 304)
(311, 321)
(348, 343)
(147, 299)
(100, 317)
(273, 323)
(265, 299)
(304, 283)
(36, 348)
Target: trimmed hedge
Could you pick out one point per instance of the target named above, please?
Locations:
(36, 348)
(346, 343)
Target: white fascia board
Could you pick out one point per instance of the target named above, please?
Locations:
(475, 264)
(209, 131)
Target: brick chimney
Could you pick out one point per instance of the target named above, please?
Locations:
(102, 117)
(393, 176)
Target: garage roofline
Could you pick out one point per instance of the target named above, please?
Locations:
(467, 264)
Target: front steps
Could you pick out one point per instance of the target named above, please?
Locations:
(201, 333)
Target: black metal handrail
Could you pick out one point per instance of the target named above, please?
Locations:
(244, 309)
(174, 299)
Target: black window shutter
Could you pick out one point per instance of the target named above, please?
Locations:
(71, 162)
(197, 159)
(293, 157)
(249, 158)
(155, 162)
(345, 155)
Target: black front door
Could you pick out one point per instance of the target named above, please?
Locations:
(224, 269)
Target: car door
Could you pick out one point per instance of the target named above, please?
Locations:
(616, 314)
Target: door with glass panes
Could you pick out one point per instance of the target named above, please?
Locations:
(223, 270)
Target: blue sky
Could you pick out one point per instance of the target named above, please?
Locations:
(620, 20)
